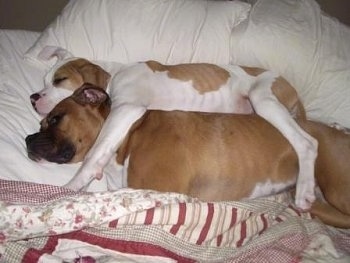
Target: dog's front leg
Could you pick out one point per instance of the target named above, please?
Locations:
(113, 132)
(266, 104)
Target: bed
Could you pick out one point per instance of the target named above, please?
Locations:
(40, 221)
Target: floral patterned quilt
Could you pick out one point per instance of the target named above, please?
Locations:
(43, 223)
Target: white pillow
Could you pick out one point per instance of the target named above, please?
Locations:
(170, 31)
(310, 49)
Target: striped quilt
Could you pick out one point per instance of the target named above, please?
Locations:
(42, 223)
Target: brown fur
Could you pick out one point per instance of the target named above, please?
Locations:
(222, 157)
(74, 74)
(332, 170)
(285, 93)
(205, 77)
(71, 127)
(192, 152)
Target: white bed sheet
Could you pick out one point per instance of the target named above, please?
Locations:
(18, 80)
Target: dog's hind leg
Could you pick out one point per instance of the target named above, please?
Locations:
(267, 105)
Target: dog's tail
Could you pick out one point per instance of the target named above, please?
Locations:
(330, 215)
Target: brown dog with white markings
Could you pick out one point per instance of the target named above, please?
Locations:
(214, 157)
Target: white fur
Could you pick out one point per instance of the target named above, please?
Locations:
(49, 97)
(269, 188)
(136, 88)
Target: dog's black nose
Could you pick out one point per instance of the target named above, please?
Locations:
(29, 142)
(34, 97)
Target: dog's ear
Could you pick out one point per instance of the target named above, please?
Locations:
(90, 94)
(94, 74)
(49, 52)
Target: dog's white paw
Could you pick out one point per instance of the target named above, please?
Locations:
(305, 194)
(84, 176)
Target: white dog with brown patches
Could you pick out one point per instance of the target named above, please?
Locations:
(137, 87)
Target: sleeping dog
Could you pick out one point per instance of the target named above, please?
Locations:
(202, 87)
(214, 157)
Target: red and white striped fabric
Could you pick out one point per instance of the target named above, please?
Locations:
(169, 226)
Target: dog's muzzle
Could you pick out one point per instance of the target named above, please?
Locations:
(43, 145)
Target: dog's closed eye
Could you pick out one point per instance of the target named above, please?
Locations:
(54, 120)
(57, 81)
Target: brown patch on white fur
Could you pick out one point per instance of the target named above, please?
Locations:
(253, 71)
(74, 74)
(288, 96)
(284, 92)
(205, 77)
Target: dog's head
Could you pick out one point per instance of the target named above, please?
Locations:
(69, 130)
(67, 75)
